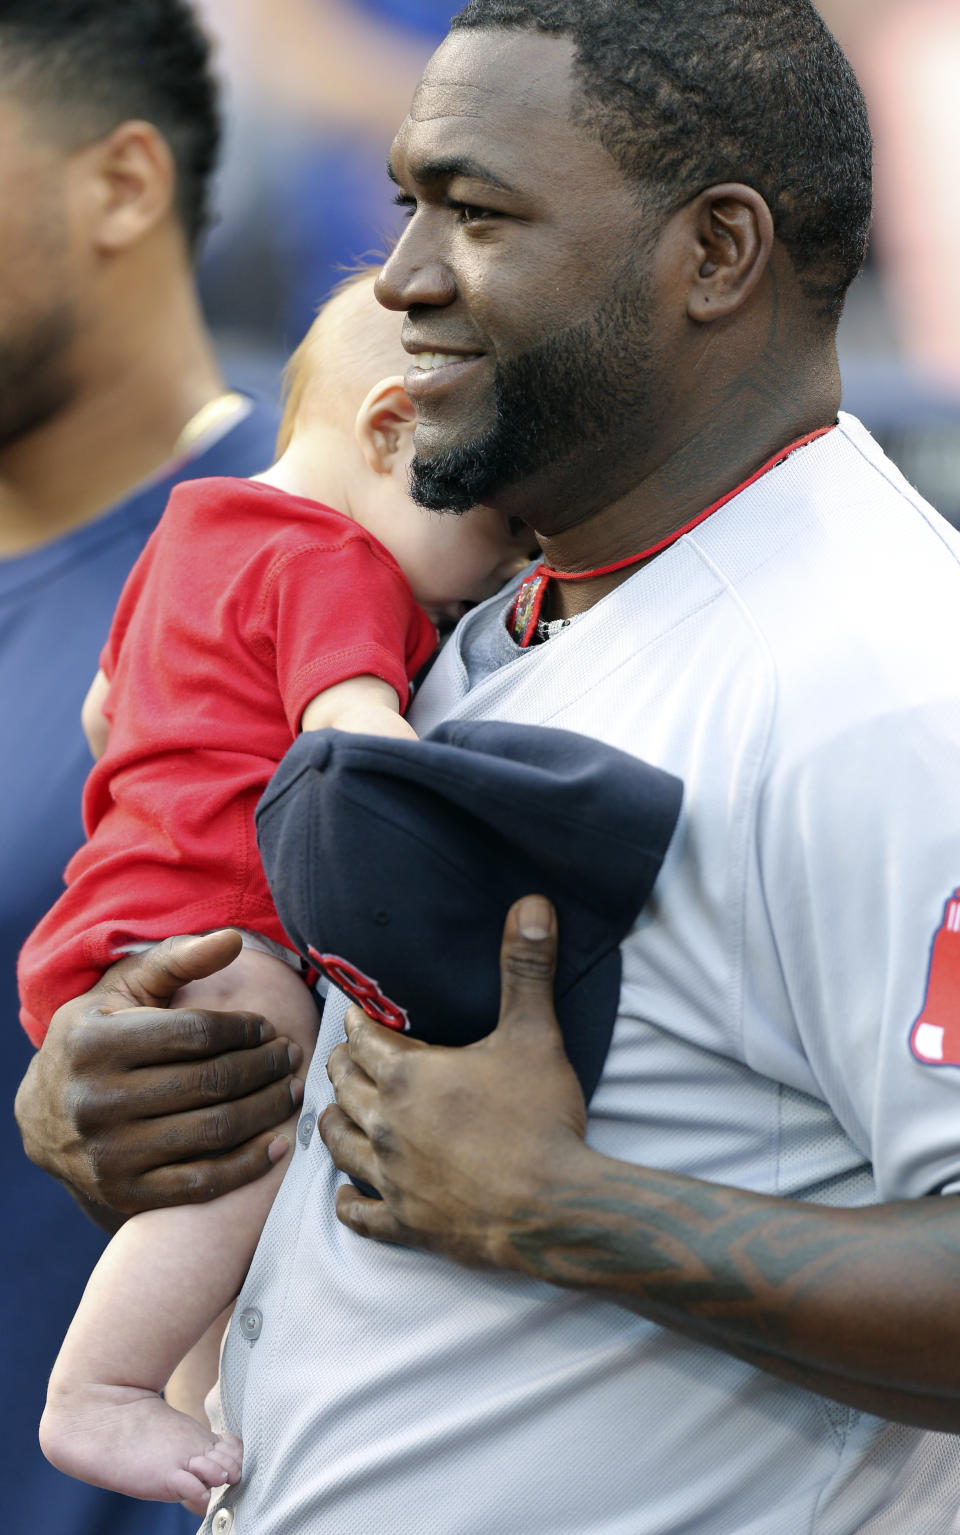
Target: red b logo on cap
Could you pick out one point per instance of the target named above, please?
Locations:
(362, 989)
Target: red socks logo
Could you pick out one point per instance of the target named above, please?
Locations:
(935, 1036)
(362, 989)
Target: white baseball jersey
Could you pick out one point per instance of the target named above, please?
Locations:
(782, 1028)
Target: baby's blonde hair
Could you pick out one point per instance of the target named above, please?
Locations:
(351, 345)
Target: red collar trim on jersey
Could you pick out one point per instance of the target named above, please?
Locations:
(525, 612)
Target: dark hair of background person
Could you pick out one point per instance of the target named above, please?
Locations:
(89, 65)
(687, 94)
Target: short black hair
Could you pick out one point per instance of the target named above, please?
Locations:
(93, 64)
(686, 94)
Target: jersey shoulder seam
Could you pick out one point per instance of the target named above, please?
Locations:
(750, 782)
(905, 492)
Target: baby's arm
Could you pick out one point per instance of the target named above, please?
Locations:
(164, 1278)
(364, 704)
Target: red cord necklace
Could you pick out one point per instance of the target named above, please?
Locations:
(525, 611)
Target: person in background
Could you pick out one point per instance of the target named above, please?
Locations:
(109, 394)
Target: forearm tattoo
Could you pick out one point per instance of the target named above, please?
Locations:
(754, 1275)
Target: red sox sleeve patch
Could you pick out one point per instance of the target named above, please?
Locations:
(935, 1035)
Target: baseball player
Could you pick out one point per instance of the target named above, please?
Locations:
(110, 394)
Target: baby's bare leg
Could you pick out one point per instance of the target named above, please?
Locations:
(162, 1281)
(196, 1374)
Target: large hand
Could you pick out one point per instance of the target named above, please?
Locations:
(460, 1143)
(134, 1105)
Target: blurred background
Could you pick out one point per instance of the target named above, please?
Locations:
(315, 90)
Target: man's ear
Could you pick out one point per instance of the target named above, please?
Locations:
(733, 228)
(130, 184)
(384, 425)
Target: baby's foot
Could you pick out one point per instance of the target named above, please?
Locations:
(129, 1440)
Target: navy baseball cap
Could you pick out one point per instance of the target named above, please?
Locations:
(393, 864)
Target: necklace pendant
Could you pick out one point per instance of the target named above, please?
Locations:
(522, 622)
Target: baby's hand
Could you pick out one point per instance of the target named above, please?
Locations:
(365, 705)
(96, 726)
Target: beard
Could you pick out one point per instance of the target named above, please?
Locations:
(36, 382)
(580, 388)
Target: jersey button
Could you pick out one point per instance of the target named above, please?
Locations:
(306, 1127)
(222, 1521)
(250, 1322)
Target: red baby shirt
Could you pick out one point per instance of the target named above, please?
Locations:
(245, 604)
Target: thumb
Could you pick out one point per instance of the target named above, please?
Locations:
(528, 962)
(150, 979)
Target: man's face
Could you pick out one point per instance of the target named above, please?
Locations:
(37, 295)
(524, 273)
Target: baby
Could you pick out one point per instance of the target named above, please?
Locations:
(256, 611)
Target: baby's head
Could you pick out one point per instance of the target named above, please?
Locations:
(346, 438)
